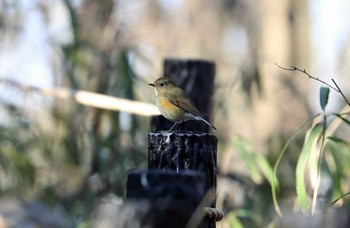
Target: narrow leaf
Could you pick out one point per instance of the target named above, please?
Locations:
(341, 148)
(278, 161)
(324, 94)
(244, 150)
(265, 168)
(310, 141)
(255, 161)
(342, 118)
(338, 140)
(335, 167)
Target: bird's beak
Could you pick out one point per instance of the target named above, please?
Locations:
(151, 84)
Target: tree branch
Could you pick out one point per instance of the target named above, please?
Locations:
(336, 88)
(293, 68)
(341, 92)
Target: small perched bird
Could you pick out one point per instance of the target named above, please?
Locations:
(174, 104)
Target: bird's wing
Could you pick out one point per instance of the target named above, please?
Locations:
(185, 104)
(179, 98)
(188, 106)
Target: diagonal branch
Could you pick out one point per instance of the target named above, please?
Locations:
(336, 88)
(293, 68)
(341, 92)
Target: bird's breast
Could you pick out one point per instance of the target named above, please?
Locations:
(169, 110)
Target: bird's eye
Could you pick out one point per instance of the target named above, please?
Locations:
(161, 84)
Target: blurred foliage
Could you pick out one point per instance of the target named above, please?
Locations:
(323, 158)
(49, 150)
(51, 159)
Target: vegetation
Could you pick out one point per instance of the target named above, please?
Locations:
(277, 154)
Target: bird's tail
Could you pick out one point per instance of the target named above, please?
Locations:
(205, 121)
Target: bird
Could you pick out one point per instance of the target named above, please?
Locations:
(174, 104)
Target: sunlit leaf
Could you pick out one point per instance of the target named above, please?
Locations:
(311, 139)
(280, 156)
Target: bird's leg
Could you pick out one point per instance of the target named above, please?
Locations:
(173, 126)
(179, 129)
(181, 123)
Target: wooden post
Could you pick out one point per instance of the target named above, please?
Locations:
(185, 151)
(170, 198)
(192, 148)
(182, 165)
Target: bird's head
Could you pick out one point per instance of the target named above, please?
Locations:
(162, 85)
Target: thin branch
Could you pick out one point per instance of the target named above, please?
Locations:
(337, 89)
(341, 92)
(293, 68)
(336, 200)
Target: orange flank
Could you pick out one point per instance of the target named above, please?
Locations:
(167, 104)
(170, 111)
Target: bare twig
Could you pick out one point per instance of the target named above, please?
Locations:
(293, 68)
(337, 89)
(341, 92)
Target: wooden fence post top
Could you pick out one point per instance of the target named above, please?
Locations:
(182, 162)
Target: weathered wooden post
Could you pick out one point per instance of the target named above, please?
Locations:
(182, 163)
(167, 198)
(185, 151)
(180, 151)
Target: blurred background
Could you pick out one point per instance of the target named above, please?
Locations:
(50, 148)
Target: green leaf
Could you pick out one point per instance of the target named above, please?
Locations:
(340, 116)
(341, 148)
(278, 161)
(234, 215)
(311, 139)
(336, 168)
(249, 214)
(233, 220)
(255, 161)
(265, 168)
(324, 94)
(244, 150)
(334, 201)
(339, 141)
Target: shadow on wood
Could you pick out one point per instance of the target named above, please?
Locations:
(164, 198)
(184, 151)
